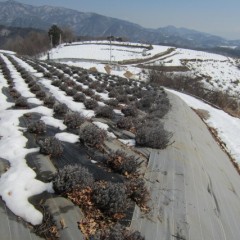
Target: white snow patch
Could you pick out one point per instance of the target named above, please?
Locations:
(111, 135)
(105, 127)
(34, 101)
(3, 99)
(42, 110)
(24, 64)
(129, 142)
(93, 161)
(67, 137)
(104, 96)
(19, 83)
(54, 122)
(101, 125)
(8, 52)
(18, 183)
(117, 111)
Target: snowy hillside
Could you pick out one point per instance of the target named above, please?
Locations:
(42, 101)
(101, 50)
(96, 54)
(216, 71)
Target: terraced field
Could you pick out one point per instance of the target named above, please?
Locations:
(85, 155)
(54, 116)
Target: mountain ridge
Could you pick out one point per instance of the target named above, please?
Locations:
(15, 14)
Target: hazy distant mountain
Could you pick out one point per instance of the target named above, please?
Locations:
(16, 14)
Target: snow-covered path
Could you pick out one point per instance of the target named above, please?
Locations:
(228, 127)
(194, 188)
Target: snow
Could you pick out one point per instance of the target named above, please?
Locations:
(104, 96)
(67, 137)
(228, 127)
(19, 182)
(117, 111)
(61, 97)
(3, 99)
(24, 64)
(19, 83)
(111, 135)
(129, 142)
(231, 47)
(105, 127)
(101, 125)
(96, 54)
(7, 52)
(218, 72)
(41, 110)
(115, 70)
(35, 101)
(48, 120)
(174, 58)
(101, 50)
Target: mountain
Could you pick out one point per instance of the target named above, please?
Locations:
(17, 14)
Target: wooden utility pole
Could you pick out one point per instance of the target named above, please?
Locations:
(60, 39)
(51, 39)
(110, 38)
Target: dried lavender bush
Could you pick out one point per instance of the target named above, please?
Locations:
(92, 136)
(37, 127)
(71, 177)
(110, 198)
(51, 146)
(73, 120)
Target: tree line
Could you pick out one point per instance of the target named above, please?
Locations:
(35, 43)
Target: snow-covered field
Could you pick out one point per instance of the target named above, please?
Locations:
(217, 72)
(96, 54)
(104, 51)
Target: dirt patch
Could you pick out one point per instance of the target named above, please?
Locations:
(128, 74)
(233, 113)
(203, 114)
(165, 68)
(93, 69)
(108, 69)
(138, 61)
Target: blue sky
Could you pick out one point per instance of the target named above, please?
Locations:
(220, 17)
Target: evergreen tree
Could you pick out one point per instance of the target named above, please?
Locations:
(54, 34)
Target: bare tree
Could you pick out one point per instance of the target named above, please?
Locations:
(68, 35)
(31, 45)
